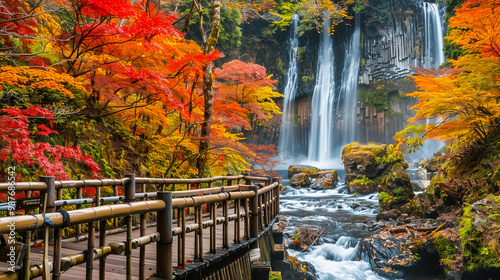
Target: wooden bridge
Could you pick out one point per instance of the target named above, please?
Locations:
(201, 220)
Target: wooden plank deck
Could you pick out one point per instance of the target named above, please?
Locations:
(115, 264)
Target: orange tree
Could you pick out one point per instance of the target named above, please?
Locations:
(466, 100)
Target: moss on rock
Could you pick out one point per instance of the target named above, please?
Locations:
(310, 170)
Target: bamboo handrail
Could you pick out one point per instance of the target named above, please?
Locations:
(259, 203)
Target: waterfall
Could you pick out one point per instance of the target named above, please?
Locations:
(320, 136)
(287, 141)
(434, 55)
(347, 105)
(334, 118)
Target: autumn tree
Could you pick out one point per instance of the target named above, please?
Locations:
(247, 85)
(465, 100)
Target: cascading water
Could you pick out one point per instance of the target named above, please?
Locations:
(287, 143)
(338, 254)
(347, 104)
(333, 121)
(321, 131)
(434, 55)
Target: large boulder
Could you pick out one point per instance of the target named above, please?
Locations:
(325, 180)
(364, 161)
(310, 170)
(396, 189)
(300, 180)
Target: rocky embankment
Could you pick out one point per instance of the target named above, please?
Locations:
(435, 233)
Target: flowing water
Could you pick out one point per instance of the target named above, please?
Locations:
(342, 214)
(287, 141)
(434, 55)
(321, 131)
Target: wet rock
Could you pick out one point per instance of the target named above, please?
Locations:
(425, 205)
(396, 189)
(395, 254)
(325, 180)
(295, 169)
(388, 215)
(300, 180)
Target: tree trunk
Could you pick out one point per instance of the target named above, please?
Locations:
(208, 47)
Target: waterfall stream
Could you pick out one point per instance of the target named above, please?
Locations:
(321, 131)
(287, 141)
(434, 54)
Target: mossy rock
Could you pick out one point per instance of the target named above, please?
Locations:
(363, 160)
(362, 186)
(300, 180)
(325, 180)
(310, 170)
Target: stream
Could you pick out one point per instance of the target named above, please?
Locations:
(342, 214)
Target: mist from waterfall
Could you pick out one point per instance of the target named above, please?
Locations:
(321, 132)
(288, 145)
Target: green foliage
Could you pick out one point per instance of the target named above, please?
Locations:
(285, 12)
(480, 242)
(363, 180)
(384, 197)
(275, 276)
(230, 31)
(308, 79)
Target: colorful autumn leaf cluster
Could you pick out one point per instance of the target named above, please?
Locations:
(124, 87)
(465, 100)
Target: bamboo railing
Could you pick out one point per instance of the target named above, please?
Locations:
(260, 205)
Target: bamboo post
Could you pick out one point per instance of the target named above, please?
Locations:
(259, 209)
(27, 242)
(90, 252)
(129, 197)
(213, 228)
(49, 208)
(102, 242)
(79, 195)
(182, 263)
(254, 209)
(200, 233)
(196, 233)
(164, 245)
(246, 221)
(142, 253)
(278, 191)
(115, 193)
(225, 226)
(237, 222)
(180, 214)
(26, 263)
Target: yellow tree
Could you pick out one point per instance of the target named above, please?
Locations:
(466, 100)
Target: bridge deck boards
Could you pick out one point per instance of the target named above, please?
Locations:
(115, 264)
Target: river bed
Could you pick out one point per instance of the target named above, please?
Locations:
(344, 216)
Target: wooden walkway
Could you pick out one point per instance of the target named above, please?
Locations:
(115, 264)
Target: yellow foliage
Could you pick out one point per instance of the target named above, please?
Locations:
(36, 78)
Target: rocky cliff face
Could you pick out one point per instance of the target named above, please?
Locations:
(392, 39)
